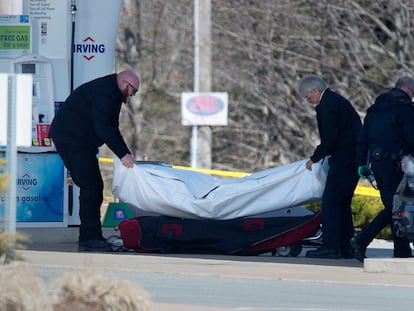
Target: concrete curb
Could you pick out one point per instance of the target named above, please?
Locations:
(389, 265)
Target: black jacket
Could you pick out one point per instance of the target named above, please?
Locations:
(388, 125)
(90, 116)
(339, 125)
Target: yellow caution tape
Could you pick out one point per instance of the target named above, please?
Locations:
(106, 160)
(213, 172)
(369, 191)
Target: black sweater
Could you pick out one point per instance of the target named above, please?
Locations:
(339, 125)
(90, 116)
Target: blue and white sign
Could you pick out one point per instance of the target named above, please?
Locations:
(40, 184)
(204, 108)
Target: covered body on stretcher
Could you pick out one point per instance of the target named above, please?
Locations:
(164, 190)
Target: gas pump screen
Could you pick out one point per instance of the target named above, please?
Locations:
(29, 68)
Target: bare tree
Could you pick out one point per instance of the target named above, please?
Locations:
(260, 50)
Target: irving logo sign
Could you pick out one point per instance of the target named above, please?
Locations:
(88, 48)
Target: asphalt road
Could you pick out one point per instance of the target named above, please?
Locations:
(224, 283)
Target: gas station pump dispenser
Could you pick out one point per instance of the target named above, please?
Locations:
(62, 44)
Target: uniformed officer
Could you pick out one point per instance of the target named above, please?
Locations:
(387, 134)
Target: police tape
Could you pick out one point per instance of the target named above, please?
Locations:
(360, 189)
(368, 191)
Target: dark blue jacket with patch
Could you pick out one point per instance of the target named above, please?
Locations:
(388, 125)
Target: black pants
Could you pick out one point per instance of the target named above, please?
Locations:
(84, 169)
(388, 176)
(337, 225)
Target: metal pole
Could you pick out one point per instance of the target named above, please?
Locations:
(73, 10)
(194, 146)
(194, 138)
(11, 151)
(196, 47)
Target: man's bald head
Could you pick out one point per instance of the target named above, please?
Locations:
(128, 82)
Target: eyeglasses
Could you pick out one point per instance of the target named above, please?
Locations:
(131, 86)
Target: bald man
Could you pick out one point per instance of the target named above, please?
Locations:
(87, 119)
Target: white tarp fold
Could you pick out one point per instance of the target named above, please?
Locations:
(164, 190)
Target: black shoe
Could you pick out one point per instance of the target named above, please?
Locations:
(403, 256)
(347, 254)
(94, 246)
(322, 252)
(402, 251)
(357, 249)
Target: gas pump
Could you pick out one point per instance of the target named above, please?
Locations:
(41, 40)
(40, 169)
(39, 176)
(43, 98)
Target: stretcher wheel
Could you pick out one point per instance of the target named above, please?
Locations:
(289, 250)
(296, 250)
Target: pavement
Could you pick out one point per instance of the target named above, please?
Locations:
(56, 248)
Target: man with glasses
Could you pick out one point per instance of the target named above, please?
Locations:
(87, 119)
(339, 125)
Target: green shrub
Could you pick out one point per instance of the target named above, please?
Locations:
(364, 210)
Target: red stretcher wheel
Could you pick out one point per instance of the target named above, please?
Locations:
(289, 250)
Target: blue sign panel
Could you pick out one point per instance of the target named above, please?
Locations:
(39, 188)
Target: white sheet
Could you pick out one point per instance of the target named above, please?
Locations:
(169, 191)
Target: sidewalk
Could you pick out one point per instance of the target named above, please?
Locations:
(63, 240)
(54, 252)
(51, 264)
